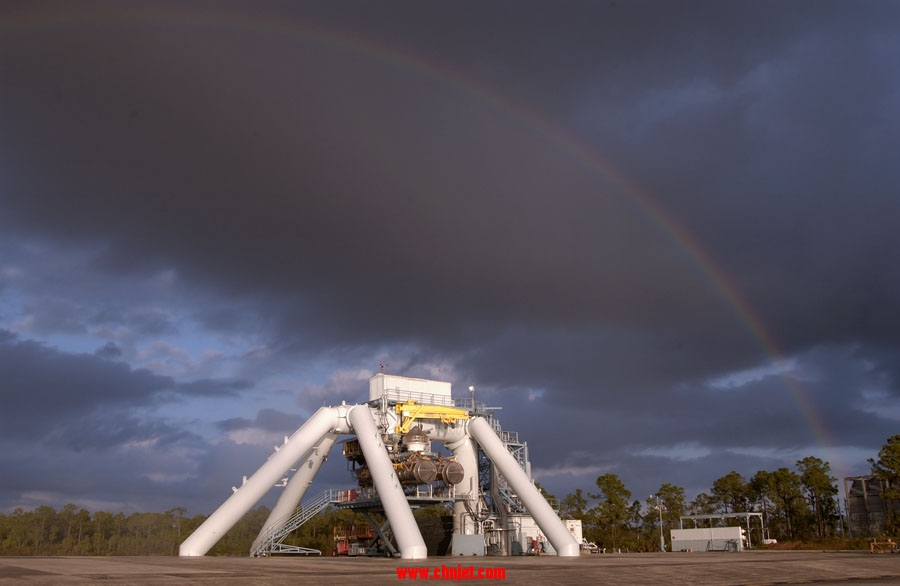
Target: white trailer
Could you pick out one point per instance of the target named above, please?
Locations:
(575, 528)
(708, 539)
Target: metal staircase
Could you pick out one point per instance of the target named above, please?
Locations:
(271, 541)
(519, 450)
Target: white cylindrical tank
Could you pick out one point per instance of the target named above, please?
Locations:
(466, 455)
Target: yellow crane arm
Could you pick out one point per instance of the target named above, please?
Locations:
(410, 411)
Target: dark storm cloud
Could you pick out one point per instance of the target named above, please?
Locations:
(267, 419)
(344, 191)
(45, 385)
(109, 351)
(826, 393)
(214, 387)
(885, 365)
(599, 364)
(134, 477)
(105, 431)
(146, 321)
(432, 182)
(695, 433)
(433, 189)
(92, 419)
(51, 315)
(53, 392)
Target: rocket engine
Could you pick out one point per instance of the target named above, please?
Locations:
(413, 461)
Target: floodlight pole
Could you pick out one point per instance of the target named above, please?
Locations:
(662, 540)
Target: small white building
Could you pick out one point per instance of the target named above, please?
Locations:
(404, 388)
(525, 534)
(708, 539)
(575, 528)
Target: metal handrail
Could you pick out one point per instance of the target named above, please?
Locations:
(266, 541)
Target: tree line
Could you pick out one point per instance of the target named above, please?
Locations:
(74, 531)
(796, 505)
(799, 504)
(71, 531)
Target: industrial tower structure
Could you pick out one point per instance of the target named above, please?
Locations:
(496, 506)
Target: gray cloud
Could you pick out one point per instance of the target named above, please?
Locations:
(48, 388)
(267, 419)
(214, 387)
(591, 210)
(109, 351)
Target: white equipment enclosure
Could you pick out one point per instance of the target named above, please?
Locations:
(487, 478)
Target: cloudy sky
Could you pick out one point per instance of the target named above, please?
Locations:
(662, 236)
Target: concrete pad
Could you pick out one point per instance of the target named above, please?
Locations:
(745, 568)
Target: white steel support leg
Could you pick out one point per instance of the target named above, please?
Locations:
(396, 507)
(326, 420)
(296, 487)
(555, 530)
(466, 454)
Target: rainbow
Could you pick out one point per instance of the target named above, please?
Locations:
(192, 17)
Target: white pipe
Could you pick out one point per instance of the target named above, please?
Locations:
(326, 420)
(455, 438)
(296, 487)
(555, 530)
(467, 455)
(444, 432)
(396, 507)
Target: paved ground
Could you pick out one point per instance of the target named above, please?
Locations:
(744, 568)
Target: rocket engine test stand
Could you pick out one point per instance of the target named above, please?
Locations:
(391, 454)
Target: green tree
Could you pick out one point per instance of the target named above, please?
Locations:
(673, 503)
(821, 491)
(786, 490)
(635, 536)
(670, 499)
(612, 510)
(577, 505)
(19, 522)
(730, 492)
(887, 467)
(574, 505)
(703, 504)
(176, 514)
(118, 540)
(67, 518)
(103, 528)
(45, 530)
(82, 530)
(759, 490)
